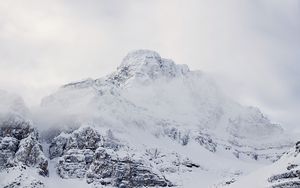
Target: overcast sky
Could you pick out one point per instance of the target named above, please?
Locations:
(252, 48)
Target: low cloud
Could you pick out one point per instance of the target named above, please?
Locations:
(252, 48)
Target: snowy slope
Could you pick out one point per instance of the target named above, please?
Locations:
(150, 123)
(282, 174)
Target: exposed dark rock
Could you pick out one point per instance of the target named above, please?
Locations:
(190, 164)
(291, 166)
(287, 175)
(298, 147)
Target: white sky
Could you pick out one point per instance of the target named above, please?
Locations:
(251, 47)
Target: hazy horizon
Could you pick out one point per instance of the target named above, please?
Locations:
(251, 48)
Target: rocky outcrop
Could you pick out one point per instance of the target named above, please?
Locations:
(83, 138)
(30, 153)
(108, 168)
(19, 144)
(285, 176)
(85, 153)
(75, 163)
(8, 148)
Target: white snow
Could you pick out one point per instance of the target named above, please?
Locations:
(147, 94)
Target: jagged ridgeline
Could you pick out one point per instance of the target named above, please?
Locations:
(151, 123)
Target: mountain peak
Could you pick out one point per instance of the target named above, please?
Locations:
(138, 57)
(147, 64)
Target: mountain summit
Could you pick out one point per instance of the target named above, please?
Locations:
(146, 64)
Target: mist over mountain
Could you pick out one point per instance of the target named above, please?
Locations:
(150, 123)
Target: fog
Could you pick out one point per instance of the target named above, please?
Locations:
(251, 48)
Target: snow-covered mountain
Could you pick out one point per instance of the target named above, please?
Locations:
(151, 123)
